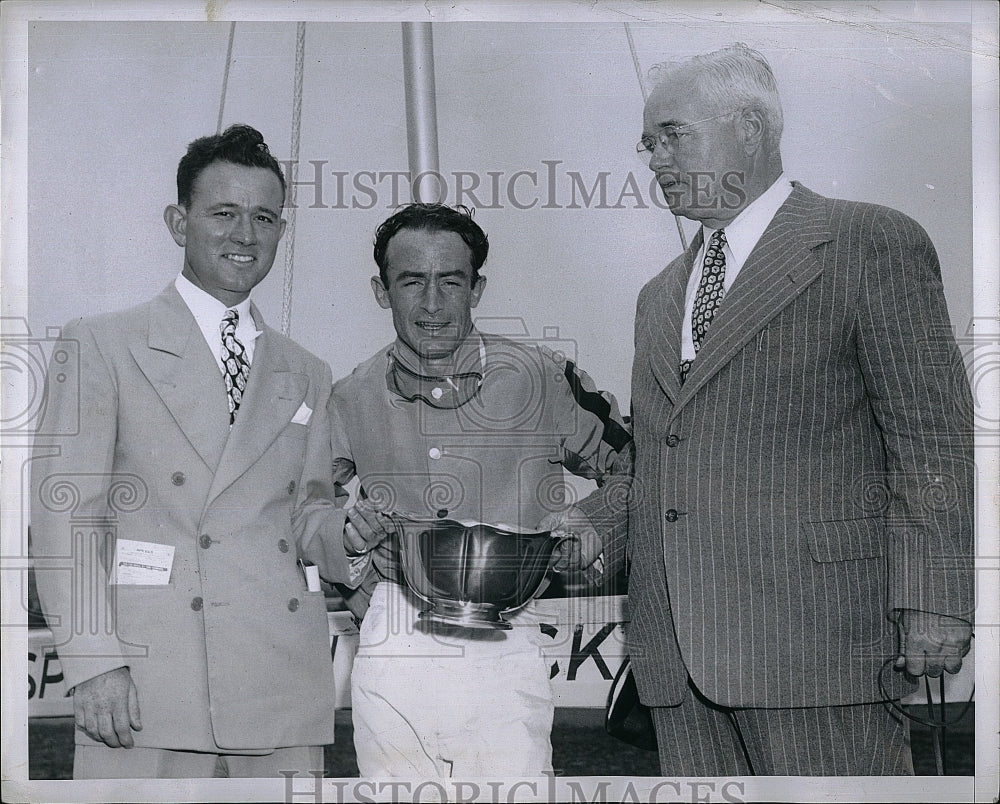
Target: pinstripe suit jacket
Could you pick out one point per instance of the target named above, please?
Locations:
(812, 476)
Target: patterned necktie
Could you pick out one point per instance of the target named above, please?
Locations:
(710, 292)
(236, 367)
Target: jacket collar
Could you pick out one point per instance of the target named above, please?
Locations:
(780, 267)
(180, 367)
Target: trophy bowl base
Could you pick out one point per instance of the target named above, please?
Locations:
(467, 615)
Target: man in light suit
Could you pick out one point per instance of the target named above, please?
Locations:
(800, 520)
(189, 473)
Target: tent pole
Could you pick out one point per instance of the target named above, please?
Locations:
(426, 184)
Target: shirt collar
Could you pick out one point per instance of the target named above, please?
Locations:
(208, 310)
(743, 231)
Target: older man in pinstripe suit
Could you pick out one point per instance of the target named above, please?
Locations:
(800, 519)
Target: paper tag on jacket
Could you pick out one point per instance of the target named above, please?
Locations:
(142, 563)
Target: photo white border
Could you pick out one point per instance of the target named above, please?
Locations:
(15, 17)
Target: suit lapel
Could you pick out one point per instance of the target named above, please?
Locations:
(273, 395)
(663, 321)
(779, 268)
(180, 367)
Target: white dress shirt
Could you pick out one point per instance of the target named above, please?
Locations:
(742, 234)
(208, 311)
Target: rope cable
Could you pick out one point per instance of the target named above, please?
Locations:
(645, 97)
(225, 76)
(635, 63)
(293, 172)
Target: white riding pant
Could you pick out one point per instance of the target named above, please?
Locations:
(435, 700)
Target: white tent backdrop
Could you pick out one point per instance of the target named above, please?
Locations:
(536, 118)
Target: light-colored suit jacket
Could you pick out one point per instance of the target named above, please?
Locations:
(233, 653)
(811, 477)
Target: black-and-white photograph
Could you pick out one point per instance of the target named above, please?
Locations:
(580, 402)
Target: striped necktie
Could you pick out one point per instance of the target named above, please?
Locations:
(711, 289)
(235, 366)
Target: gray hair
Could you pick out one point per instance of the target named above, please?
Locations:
(734, 77)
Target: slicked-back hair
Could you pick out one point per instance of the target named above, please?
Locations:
(239, 144)
(733, 77)
(433, 218)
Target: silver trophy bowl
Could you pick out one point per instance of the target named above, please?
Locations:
(471, 575)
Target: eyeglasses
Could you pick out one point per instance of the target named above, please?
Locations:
(670, 137)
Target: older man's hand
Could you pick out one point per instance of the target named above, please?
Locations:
(930, 644)
(106, 707)
(582, 550)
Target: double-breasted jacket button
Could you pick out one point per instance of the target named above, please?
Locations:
(177, 478)
(434, 453)
(293, 604)
(442, 513)
(197, 603)
(671, 515)
(673, 440)
(291, 487)
(205, 541)
(283, 545)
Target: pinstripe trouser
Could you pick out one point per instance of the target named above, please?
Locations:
(699, 738)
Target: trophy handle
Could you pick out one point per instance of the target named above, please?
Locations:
(398, 522)
(545, 582)
(558, 541)
(542, 586)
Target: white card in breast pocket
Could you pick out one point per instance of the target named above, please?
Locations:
(302, 415)
(142, 563)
